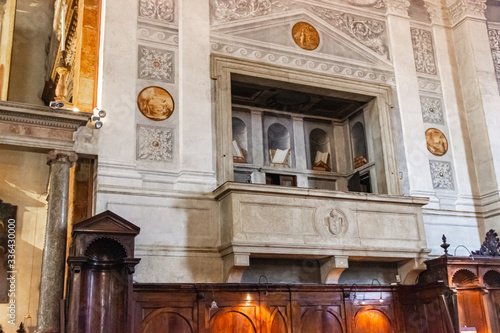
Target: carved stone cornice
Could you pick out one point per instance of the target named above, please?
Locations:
(40, 127)
(397, 7)
(466, 8)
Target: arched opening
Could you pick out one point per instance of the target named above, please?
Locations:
(279, 144)
(320, 149)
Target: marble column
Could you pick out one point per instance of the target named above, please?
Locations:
(54, 252)
(398, 26)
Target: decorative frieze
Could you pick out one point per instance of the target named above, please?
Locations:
(155, 64)
(429, 85)
(442, 175)
(230, 10)
(432, 110)
(157, 34)
(371, 33)
(398, 7)
(155, 143)
(309, 63)
(423, 51)
(158, 10)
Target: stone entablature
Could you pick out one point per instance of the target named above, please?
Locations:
(39, 126)
(263, 220)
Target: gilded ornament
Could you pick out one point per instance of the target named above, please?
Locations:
(305, 36)
(437, 143)
(155, 103)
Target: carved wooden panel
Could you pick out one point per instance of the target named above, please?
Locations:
(278, 322)
(320, 320)
(167, 322)
(231, 322)
(471, 310)
(372, 321)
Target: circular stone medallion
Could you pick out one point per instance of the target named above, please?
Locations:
(437, 143)
(305, 36)
(155, 103)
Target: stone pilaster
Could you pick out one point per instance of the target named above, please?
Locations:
(480, 96)
(398, 26)
(54, 252)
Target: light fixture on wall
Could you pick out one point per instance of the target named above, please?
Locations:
(96, 118)
(213, 305)
(267, 283)
(470, 253)
(381, 300)
(56, 105)
(355, 300)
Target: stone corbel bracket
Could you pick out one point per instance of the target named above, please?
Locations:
(234, 265)
(332, 268)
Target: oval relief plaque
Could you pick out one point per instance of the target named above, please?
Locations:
(437, 143)
(155, 103)
(336, 222)
(305, 36)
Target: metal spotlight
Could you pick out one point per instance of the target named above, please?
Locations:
(98, 124)
(102, 113)
(56, 104)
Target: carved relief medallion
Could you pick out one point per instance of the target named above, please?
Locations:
(437, 143)
(336, 222)
(305, 36)
(155, 103)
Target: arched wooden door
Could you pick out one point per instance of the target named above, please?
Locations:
(232, 322)
(371, 321)
(320, 320)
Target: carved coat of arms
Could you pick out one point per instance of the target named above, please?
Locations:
(336, 222)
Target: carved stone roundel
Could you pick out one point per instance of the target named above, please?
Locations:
(305, 36)
(336, 222)
(437, 143)
(155, 103)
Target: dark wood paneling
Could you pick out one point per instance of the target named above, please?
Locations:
(471, 310)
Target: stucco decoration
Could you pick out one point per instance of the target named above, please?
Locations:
(155, 143)
(494, 35)
(155, 103)
(430, 86)
(463, 8)
(370, 33)
(437, 144)
(305, 36)
(442, 176)
(432, 110)
(159, 10)
(230, 10)
(335, 222)
(423, 51)
(155, 64)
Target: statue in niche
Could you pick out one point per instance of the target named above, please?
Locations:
(336, 222)
(437, 143)
(305, 36)
(155, 103)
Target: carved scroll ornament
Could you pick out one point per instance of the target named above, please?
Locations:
(490, 246)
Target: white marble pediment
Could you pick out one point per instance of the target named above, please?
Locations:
(274, 32)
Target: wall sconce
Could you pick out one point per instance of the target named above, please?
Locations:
(355, 300)
(214, 303)
(98, 114)
(470, 253)
(381, 300)
(267, 283)
(56, 105)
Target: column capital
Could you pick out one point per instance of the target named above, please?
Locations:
(397, 7)
(63, 156)
(437, 12)
(461, 9)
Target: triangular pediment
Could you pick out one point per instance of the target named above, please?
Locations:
(106, 222)
(274, 32)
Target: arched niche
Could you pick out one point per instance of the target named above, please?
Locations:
(372, 321)
(279, 144)
(230, 322)
(320, 148)
(240, 141)
(320, 320)
(278, 323)
(358, 142)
